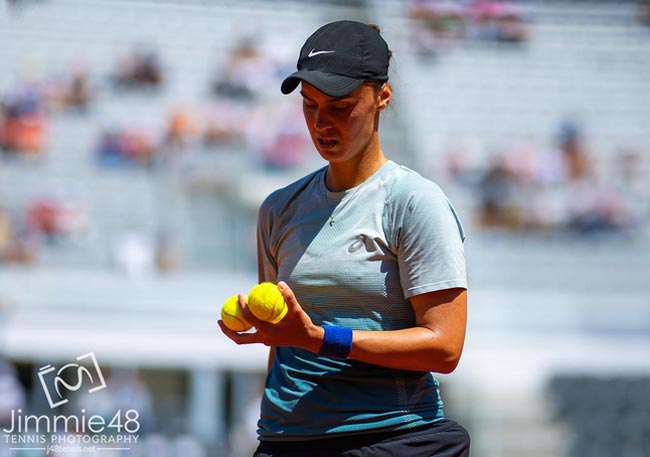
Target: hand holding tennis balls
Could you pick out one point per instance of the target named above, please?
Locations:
(265, 302)
(278, 318)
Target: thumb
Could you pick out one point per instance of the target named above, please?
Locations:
(289, 296)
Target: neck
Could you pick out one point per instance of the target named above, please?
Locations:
(348, 174)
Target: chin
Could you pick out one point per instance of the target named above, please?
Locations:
(332, 156)
(329, 154)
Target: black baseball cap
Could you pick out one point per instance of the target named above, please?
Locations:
(338, 57)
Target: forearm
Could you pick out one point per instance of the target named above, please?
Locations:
(417, 348)
(434, 343)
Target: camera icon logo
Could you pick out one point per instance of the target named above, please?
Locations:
(57, 388)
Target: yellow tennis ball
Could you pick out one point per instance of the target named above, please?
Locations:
(267, 303)
(231, 315)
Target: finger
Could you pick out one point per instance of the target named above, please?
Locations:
(255, 322)
(229, 333)
(289, 296)
(239, 338)
(247, 338)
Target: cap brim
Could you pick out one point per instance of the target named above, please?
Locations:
(328, 83)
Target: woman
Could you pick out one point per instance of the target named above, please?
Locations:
(369, 257)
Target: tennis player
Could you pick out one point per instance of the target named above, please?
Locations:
(369, 257)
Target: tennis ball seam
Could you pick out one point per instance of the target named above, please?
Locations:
(242, 321)
(232, 316)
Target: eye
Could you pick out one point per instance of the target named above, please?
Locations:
(340, 106)
(308, 105)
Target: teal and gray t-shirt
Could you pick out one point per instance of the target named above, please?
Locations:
(353, 258)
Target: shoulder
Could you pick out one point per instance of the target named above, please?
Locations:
(415, 201)
(283, 197)
(405, 185)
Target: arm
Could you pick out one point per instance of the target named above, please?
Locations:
(434, 344)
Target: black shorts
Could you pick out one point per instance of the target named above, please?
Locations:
(442, 439)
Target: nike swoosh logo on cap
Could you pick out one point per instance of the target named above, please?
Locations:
(313, 53)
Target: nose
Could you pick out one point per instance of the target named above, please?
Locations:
(321, 120)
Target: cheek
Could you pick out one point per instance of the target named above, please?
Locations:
(361, 122)
(309, 121)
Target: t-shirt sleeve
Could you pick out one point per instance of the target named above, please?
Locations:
(267, 269)
(428, 237)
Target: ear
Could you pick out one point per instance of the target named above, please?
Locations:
(384, 96)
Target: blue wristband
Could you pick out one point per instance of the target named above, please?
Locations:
(337, 342)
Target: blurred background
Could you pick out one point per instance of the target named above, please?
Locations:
(138, 138)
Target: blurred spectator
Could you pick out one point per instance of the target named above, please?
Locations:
(497, 189)
(54, 220)
(18, 6)
(167, 254)
(592, 204)
(464, 161)
(440, 24)
(181, 129)
(15, 247)
(559, 188)
(179, 139)
(79, 95)
(511, 27)
(22, 121)
(76, 93)
(437, 25)
(129, 147)
(43, 216)
(286, 151)
(12, 393)
(573, 152)
(247, 73)
(288, 145)
(134, 253)
(643, 12)
(496, 21)
(25, 110)
(224, 125)
(594, 207)
(70, 92)
(139, 70)
(5, 232)
(631, 183)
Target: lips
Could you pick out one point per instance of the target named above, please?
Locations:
(326, 143)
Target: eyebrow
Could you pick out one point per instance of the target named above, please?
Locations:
(332, 99)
